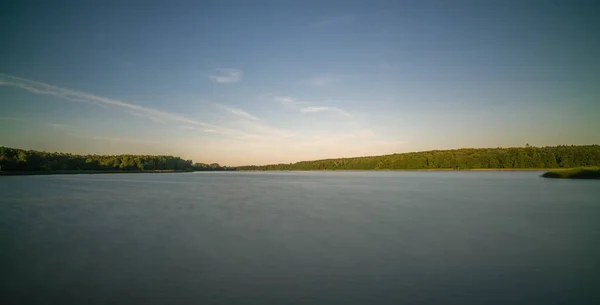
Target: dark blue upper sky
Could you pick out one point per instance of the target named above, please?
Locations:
(278, 81)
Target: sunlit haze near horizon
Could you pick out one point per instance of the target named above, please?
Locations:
(261, 82)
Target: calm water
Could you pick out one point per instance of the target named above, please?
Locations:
(300, 238)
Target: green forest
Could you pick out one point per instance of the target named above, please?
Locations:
(472, 158)
(12, 159)
(19, 160)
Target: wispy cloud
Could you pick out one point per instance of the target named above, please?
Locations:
(58, 126)
(237, 112)
(286, 100)
(155, 115)
(222, 131)
(78, 96)
(154, 119)
(321, 80)
(242, 136)
(335, 110)
(314, 108)
(228, 75)
(253, 127)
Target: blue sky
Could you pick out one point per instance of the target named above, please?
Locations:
(256, 82)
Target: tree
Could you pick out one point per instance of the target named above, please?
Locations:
(12, 159)
(527, 157)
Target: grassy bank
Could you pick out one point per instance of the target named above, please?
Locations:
(76, 172)
(574, 173)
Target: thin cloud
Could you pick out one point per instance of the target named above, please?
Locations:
(78, 96)
(286, 100)
(244, 132)
(320, 80)
(315, 109)
(141, 115)
(58, 126)
(237, 112)
(289, 101)
(228, 76)
(228, 132)
(155, 115)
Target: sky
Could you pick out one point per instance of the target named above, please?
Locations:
(262, 82)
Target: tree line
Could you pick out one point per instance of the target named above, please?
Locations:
(472, 158)
(12, 159)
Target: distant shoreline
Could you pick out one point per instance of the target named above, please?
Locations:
(94, 172)
(513, 158)
(78, 172)
(398, 170)
(29, 162)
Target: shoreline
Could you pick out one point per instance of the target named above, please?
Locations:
(96, 172)
(89, 172)
(402, 170)
(574, 173)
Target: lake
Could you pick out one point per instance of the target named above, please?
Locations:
(473, 237)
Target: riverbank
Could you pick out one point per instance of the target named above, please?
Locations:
(401, 170)
(78, 172)
(574, 173)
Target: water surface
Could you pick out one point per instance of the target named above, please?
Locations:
(300, 238)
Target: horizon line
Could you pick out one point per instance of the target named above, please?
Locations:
(315, 160)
